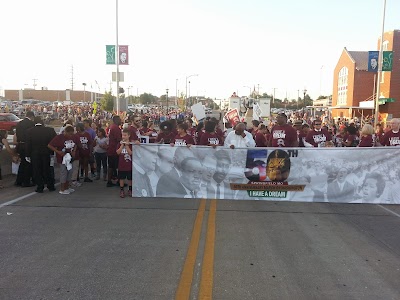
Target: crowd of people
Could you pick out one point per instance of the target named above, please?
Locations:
(102, 142)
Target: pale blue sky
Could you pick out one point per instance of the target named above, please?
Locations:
(230, 44)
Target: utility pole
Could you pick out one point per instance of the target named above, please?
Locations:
(72, 77)
(34, 83)
(273, 99)
(176, 92)
(298, 96)
(117, 51)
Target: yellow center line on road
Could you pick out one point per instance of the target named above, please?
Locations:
(207, 270)
(185, 283)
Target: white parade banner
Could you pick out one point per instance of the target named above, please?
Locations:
(345, 175)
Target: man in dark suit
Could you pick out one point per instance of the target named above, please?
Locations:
(144, 162)
(25, 168)
(217, 187)
(340, 190)
(37, 139)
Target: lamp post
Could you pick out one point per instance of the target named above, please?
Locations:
(189, 90)
(186, 93)
(84, 92)
(304, 98)
(117, 54)
(176, 92)
(380, 61)
(273, 99)
(167, 101)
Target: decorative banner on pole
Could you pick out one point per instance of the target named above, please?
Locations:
(346, 175)
(232, 116)
(123, 55)
(110, 55)
(387, 61)
(373, 57)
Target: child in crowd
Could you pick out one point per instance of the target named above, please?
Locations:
(100, 152)
(125, 163)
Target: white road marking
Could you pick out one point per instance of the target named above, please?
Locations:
(389, 210)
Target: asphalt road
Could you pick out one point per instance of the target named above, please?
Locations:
(94, 245)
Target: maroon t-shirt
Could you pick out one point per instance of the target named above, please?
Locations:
(318, 138)
(77, 141)
(165, 138)
(283, 136)
(114, 137)
(134, 133)
(197, 136)
(125, 160)
(208, 139)
(192, 133)
(391, 139)
(301, 137)
(367, 141)
(61, 142)
(260, 140)
(85, 144)
(353, 139)
(183, 140)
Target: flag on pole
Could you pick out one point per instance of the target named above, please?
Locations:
(110, 54)
(387, 63)
(123, 55)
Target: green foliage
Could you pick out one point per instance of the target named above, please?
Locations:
(147, 98)
(107, 102)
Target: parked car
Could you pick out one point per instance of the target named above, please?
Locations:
(8, 122)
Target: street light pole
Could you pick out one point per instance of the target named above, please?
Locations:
(380, 61)
(176, 92)
(304, 98)
(117, 53)
(186, 93)
(167, 101)
(189, 90)
(273, 99)
(84, 92)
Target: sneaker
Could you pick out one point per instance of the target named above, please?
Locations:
(65, 192)
(110, 184)
(76, 184)
(122, 194)
(94, 175)
(71, 190)
(87, 179)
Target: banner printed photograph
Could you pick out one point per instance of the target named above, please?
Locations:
(301, 174)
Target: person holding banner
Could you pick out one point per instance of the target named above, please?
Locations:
(282, 134)
(183, 138)
(240, 138)
(210, 137)
(392, 137)
(318, 137)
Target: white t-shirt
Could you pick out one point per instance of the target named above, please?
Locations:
(100, 141)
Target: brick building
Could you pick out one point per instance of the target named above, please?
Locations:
(52, 95)
(352, 83)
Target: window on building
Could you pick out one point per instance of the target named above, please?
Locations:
(342, 86)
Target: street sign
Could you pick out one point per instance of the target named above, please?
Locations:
(121, 76)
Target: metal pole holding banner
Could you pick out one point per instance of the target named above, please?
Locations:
(117, 54)
(380, 65)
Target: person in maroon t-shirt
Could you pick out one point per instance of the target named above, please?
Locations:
(282, 134)
(318, 136)
(134, 128)
(210, 137)
(61, 145)
(114, 138)
(198, 133)
(305, 128)
(191, 130)
(183, 138)
(352, 138)
(85, 149)
(368, 138)
(392, 137)
(260, 138)
(124, 153)
(218, 130)
(166, 136)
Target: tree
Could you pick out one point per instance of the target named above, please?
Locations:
(107, 102)
(147, 98)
